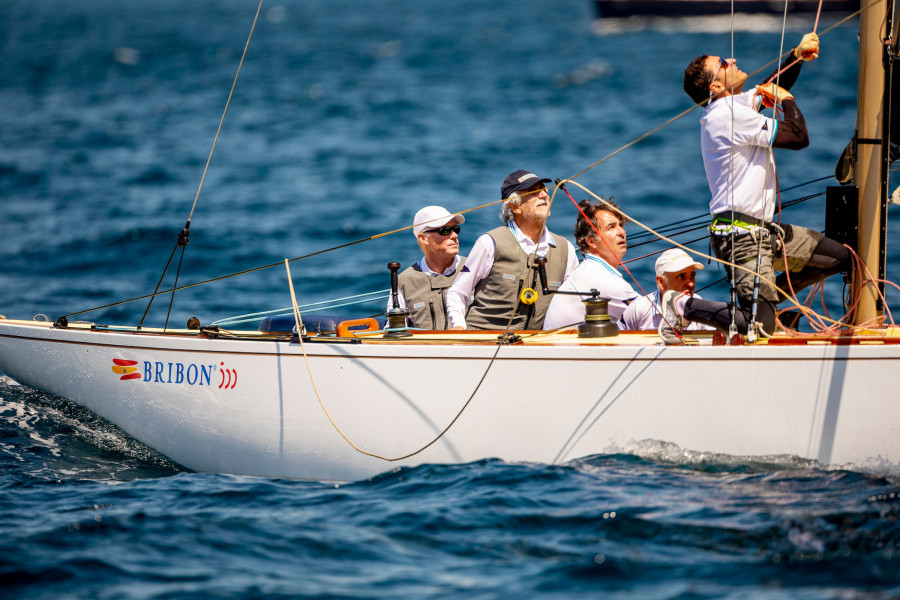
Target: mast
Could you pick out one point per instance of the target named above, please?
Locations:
(870, 162)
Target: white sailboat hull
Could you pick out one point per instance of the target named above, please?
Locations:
(249, 406)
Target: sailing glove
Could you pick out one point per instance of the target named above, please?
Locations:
(772, 94)
(808, 48)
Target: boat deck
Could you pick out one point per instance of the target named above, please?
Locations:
(565, 337)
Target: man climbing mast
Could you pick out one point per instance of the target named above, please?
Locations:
(736, 142)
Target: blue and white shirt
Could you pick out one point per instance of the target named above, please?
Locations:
(592, 273)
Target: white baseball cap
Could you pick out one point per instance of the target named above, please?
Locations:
(432, 217)
(674, 260)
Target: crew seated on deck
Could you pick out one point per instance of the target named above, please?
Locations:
(422, 287)
(486, 293)
(603, 254)
(736, 142)
(675, 271)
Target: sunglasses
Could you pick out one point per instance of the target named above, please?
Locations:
(445, 230)
(723, 64)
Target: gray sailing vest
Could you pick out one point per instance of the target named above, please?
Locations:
(426, 296)
(496, 296)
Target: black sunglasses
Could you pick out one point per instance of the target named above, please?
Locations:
(723, 64)
(445, 230)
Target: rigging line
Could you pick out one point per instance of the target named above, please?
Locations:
(260, 268)
(694, 241)
(682, 246)
(172, 297)
(697, 222)
(604, 159)
(355, 299)
(705, 216)
(151, 296)
(224, 112)
(600, 237)
(658, 251)
(184, 235)
(705, 102)
(299, 324)
(758, 234)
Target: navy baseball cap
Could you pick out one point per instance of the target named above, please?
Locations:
(518, 181)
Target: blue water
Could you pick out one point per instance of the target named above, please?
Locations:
(349, 116)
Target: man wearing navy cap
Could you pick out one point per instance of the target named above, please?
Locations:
(486, 293)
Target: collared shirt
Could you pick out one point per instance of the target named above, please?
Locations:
(736, 143)
(645, 313)
(423, 265)
(479, 263)
(593, 273)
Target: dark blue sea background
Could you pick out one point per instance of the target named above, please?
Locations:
(349, 116)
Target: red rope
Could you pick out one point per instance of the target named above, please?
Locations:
(600, 237)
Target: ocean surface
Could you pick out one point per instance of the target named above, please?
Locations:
(348, 117)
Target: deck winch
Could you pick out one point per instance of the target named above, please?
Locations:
(597, 321)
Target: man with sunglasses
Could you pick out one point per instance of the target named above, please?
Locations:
(736, 141)
(422, 287)
(487, 293)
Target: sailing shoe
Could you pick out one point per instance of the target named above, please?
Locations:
(671, 323)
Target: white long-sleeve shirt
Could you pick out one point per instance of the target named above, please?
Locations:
(478, 266)
(645, 313)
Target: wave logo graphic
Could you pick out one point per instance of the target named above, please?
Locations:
(229, 377)
(126, 368)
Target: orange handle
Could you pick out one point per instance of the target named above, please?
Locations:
(343, 328)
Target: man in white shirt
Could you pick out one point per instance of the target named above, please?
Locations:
(422, 287)
(603, 253)
(487, 292)
(736, 142)
(675, 270)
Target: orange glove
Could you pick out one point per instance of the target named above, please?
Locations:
(772, 94)
(808, 48)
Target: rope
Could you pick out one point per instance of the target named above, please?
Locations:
(268, 266)
(306, 308)
(602, 160)
(224, 112)
(299, 325)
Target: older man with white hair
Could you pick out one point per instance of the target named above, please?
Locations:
(486, 294)
(422, 287)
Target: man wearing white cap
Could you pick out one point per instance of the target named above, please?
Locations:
(423, 286)
(676, 271)
(486, 295)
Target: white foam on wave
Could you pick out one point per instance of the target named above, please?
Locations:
(659, 451)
